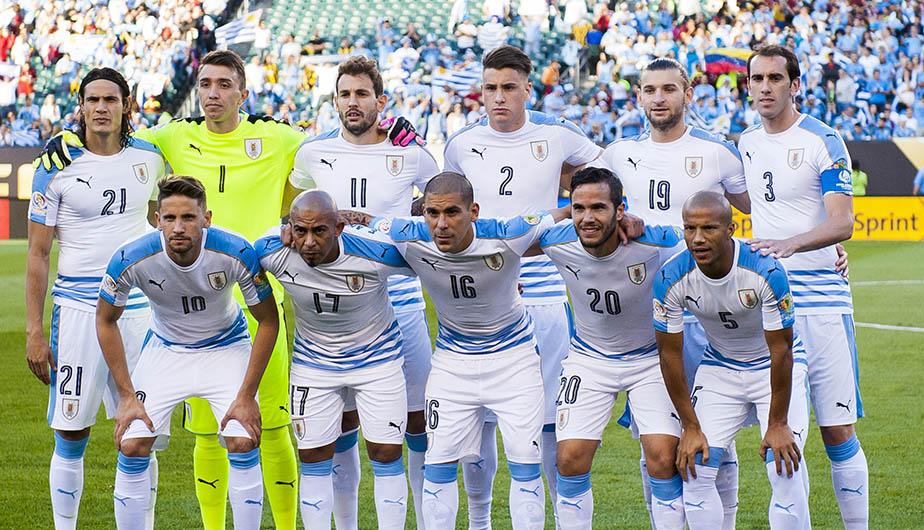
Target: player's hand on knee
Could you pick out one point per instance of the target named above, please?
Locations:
(692, 441)
(401, 132)
(246, 411)
(40, 358)
(840, 264)
(130, 409)
(56, 153)
(631, 227)
(780, 440)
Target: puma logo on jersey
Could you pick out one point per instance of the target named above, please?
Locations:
(693, 396)
(283, 483)
(799, 434)
(695, 301)
(193, 146)
(212, 483)
(329, 164)
(633, 162)
(290, 275)
(314, 505)
(839, 404)
(432, 264)
(397, 426)
(479, 153)
(87, 182)
(534, 491)
(122, 258)
(160, 285)
(573, 271)
(748, 154)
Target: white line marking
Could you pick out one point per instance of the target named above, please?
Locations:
(887, 327)
(886, 282)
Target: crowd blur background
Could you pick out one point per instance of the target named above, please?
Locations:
(861, 61)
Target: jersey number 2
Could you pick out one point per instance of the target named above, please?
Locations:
(508, 172)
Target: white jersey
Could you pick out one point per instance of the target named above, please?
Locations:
(378, 179)
(96, 204)
(734, 311)
(343, 318)
(658, 177)
(193, 308)
(519, 173)
(474, 291)
(788, 176)
(610, 295)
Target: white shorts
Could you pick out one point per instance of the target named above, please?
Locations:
(588, 389)
(318, 402)
(417, 351)
(164, 378)
(834, 375)
(552, 328)
(728, 400)
(82, 380)
(461, 388)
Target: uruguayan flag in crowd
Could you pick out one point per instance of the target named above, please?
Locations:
(239, 30)
(459, 80)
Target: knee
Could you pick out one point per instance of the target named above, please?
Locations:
(74, 436)
(660, 461)
(350, 421)
(383, 452)
(316, 454)
(837, 434)
(239, 444)
(573, 460)
(136, 447)
(416, 422)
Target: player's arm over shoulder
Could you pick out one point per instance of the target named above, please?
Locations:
(664, 236)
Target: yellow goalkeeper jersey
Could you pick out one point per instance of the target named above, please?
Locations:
(244, 171)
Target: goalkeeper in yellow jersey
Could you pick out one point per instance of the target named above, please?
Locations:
(244, 162)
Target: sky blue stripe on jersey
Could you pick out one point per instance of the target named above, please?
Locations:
(404, 228)
(714, 358)
(401, 280)
(766, 267)
(267, 245)
(817, 281)
(511, 228)
(829, 303)
(385, 347)
(543, 283)
(43, 177)
(233, 245)
(543, 294)
(541, 118)
(372, 250)
(660, 236)
(814, 272)
(581, 346)
(520, 332)
(143, 145)
(64, 278)
(561, 233)
(850, 331)
(407, 301)
(832, 140)
(53, 345)
(709, 137)
(672, 272)
(534, 274)
(237, 331)
(399, 292)
(819, 292)
(532, 263)
(133, 252)
(142, 305)
(326, 135)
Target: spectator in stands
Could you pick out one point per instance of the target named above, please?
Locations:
(317, 44)
(50, 110)
(845, 91)
(359, 48)
(630, 121)
(496, 8)
(554, 103)
(455, 120)
(859, 178)
(28, 110)
(6, 135)
(918, 183)
(466, 34)
(25, 84)
(492, 34)
(411, 33)
(551, 75)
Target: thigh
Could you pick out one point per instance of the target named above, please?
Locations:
(136, 331)
(381, 399)
(162, 380)
(585, 397)
(78, 384)
(225, 369)
(417, 351)
(721, 403)
(651, 406)
(551, 324)
(513, 390)
(830, 346)
(798, 417)
(316, 405)
(454, 415)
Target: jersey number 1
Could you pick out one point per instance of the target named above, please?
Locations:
(362, 192)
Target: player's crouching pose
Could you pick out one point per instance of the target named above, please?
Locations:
(346, 339)
(198, 345)
(613, 348)
(753, 364)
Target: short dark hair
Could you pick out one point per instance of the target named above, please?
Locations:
(775, 50)
(228, 59)
(108, 74)
(507, 56)
(360, 65)
(449, 182)
(596, 175)
(666, 63)
(181, 185)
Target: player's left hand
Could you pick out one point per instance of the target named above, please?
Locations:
(630, 227)
(285, 235)
(778, 248)
(401, 132)
(246, 411)
(780, 440)
(840, 265)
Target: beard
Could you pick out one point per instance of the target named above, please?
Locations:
(670, 121)
(607, 233)
(358, 128)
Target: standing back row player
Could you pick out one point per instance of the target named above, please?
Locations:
(516, 161)
(92, 207)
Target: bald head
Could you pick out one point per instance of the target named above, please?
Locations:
(714, 203)
(315, 201)
(447, 183)
(316, 227)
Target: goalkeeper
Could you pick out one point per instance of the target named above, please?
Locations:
(244, 162)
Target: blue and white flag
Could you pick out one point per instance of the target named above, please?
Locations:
(239, 30)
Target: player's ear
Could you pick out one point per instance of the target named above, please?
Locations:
(208, 218)
(381, 101)
(244, 94)
(339, 227)
(794, 87)
(620, 211)
(157, 219)
(474, 209)
(732, 228)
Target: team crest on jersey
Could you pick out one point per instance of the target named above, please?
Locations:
(384, 226)
(748, 298)
(786, 304)
(660, 312)
(253, 147)
(637, 273)
(38, 205)
(301, 429)
(71, 407)
(109, 285)
(218, 280)
(495, 262)
(532, 219)
(562, 417)
(693, 166)
(540, 149)
(795, 158)
(394, 164)
(141, 172)
(355, 282)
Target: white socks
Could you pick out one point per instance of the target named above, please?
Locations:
(727, 484)
(390, 494)
(316, 494)
(132, 492)
(245, 489)
(527, 496)
(701, 502)
(154, 472)
(850, 476)
(65, 479)
(479, 480)
(416, 449)
(440, 496)
(345, 473)
(549, 463)
(788, 502)
(667, 503)
(575, 503)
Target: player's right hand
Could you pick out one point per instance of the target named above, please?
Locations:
(246, 411)
(130, 409)
(780, 440)
(56, 153)
(40, 358)
(692, 441)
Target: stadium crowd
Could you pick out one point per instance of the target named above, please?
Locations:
(861, 61)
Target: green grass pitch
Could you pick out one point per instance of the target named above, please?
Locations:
(891, 378)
